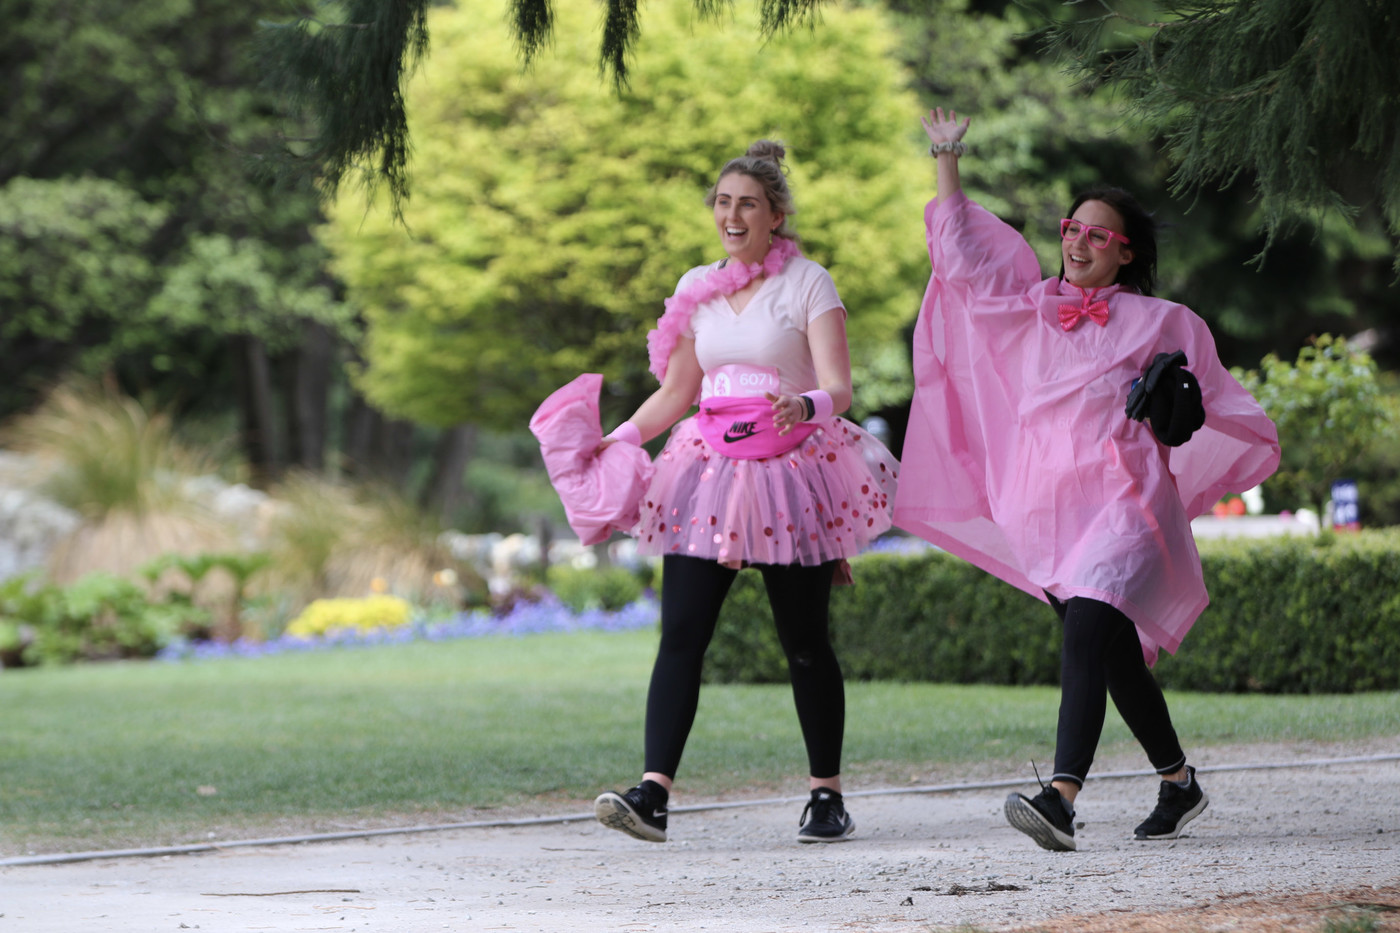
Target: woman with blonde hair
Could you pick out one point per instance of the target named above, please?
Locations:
(765, 475)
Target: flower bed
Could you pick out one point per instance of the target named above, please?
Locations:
(548, 615)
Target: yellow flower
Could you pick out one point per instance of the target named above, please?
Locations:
(327, 616)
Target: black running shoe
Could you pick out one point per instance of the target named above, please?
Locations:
(829, 820)
(1176, 807)
(641, 812)
(1043, 818)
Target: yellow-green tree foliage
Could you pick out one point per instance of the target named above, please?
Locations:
(551, 215)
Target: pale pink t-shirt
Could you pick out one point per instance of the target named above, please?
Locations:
(772, 329)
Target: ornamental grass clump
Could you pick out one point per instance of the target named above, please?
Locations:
(334, 539)
(331, 617)
(125, 470)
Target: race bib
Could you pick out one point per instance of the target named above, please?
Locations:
(739, 380)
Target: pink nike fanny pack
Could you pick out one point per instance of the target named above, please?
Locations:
(741, 428)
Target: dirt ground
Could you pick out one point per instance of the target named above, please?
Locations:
(1278, 849)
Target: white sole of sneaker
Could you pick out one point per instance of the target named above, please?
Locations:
(615, 813)
(1021, 815)
(1186, 817)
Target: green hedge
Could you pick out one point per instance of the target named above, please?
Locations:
(609, 588)
(1287, 615)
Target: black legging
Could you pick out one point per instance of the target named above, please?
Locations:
(692, 591)
(1102, 655)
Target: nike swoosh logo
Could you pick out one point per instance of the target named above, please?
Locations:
(731, 438)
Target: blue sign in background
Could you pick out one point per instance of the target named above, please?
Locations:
(1346, 507)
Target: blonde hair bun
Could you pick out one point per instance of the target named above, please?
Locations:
(769, 150)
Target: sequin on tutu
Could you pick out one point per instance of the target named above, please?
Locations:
(823, 500)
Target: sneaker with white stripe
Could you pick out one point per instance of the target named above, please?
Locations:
(829, 820)
(1176, 806)
(641, 812)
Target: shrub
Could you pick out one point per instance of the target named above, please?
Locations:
(220, 601)
(1296, 615)
(1329, 409)
(99, 617)
(1287, 615)
(1377, 470)
(329, 616)
(925, 617)
(609, 588)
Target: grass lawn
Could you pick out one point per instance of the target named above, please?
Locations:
(102, 756)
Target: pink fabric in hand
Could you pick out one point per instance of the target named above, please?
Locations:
(602, 493)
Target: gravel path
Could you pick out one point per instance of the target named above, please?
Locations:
(1277, 849)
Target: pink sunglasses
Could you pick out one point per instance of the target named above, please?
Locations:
(1099, 237)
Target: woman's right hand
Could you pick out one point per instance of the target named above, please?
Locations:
(944, 128)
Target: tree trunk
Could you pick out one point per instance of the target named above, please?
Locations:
(445, 492)
(308, 395)
(391, 450)
(359, 431)
(256, 403)
(376, 446)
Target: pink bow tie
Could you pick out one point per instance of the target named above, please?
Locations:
(1096, 311)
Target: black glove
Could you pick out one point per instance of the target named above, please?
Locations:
(1169, 397)
(1143, 386)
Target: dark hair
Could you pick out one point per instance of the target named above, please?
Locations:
(764, 164)
(1138, 226)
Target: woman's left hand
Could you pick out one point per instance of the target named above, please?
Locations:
(788, 411)
(944, 128)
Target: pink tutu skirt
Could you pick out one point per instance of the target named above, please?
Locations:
(822, 501)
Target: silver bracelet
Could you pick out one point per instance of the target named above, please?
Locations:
(957, 148)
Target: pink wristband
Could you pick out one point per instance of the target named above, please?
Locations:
(627, 433)
(822, 406)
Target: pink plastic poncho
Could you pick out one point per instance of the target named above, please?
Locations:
(603, 493)
(1019, 457)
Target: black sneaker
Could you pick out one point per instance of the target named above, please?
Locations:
(1043, 818)
(829, 820)
(1176, 806)
(641, 812)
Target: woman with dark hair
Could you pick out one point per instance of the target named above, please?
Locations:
(1139, 274)
(1057, 441)
(765, 475)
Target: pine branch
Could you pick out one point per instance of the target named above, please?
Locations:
(712, 9)
(343, 74)
(777, 15)
(532, 22)
(1272, 91)
(344, 77)
(620, 33)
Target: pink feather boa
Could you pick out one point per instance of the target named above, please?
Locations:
(722, 281)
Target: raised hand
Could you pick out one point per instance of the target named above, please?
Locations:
(944, 127)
